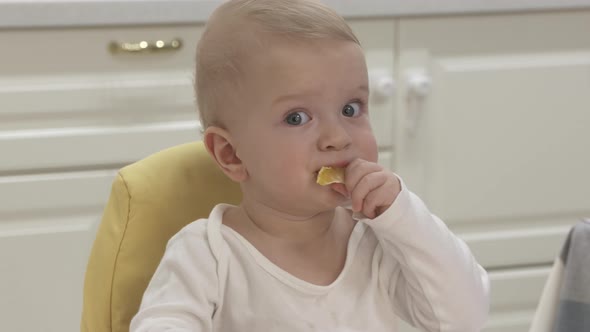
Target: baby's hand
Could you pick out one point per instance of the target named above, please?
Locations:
(372, 188)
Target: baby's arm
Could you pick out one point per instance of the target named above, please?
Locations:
(430, 275)
(182, 293)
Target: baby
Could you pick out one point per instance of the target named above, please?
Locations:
(282, 91)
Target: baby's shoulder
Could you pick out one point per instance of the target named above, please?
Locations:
(193, 251)
(193, 235)
(195, 229)
(204, 230)
(202, 236)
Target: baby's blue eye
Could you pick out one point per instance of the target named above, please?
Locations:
(297, 118)
(351, 110)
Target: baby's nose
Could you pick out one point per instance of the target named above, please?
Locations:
(334, 137)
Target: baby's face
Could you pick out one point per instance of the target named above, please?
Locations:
(303, 106)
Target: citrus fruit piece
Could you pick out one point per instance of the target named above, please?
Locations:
(328, 175)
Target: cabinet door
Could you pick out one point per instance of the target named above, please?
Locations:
(493, 127)
(71, 113)
(377, 39)
(47, 225)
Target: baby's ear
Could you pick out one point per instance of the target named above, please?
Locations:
(219, 145)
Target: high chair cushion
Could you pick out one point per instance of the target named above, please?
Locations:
(150, 201)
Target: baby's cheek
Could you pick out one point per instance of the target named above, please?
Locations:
(375, 156)
(371, 150)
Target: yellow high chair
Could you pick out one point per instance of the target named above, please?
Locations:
(150, 201)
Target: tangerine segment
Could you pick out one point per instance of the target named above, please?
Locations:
(328, 175)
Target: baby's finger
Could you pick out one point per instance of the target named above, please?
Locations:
(381, 198)
(365, 185)
(340, 188)
(357, 170)
(376, 199)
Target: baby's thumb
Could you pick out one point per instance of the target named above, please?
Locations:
(340, 188)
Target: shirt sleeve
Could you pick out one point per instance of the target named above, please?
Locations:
(433, 280)
(180, 297)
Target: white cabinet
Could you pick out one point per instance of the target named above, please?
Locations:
(483, 116)
(491, 131)
(499, 142)
(67, 102)
(46, 227)
(71, 114)
(501, 135)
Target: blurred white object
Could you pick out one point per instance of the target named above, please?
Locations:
(382, 84)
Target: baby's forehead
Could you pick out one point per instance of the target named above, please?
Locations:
(281, 53)
(311, 69)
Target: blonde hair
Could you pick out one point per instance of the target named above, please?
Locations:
(235, 31)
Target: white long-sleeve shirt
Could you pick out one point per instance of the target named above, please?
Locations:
(404, 263)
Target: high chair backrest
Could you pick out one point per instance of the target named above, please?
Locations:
(150, 201)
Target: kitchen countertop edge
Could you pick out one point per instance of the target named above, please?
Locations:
(67, 13)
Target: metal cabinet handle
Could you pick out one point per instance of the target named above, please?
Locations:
(145, 46)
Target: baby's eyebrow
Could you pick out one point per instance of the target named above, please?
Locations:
(291, 96)
(363, 87)
(294, 96)
(306, 94)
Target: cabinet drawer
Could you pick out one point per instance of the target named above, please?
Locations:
(84, 106)
(92, 147)
(84, 120)
(523, 245)
(80, 50)
(517, 289)
(49, 100)
(31, 197)
(515, 296)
